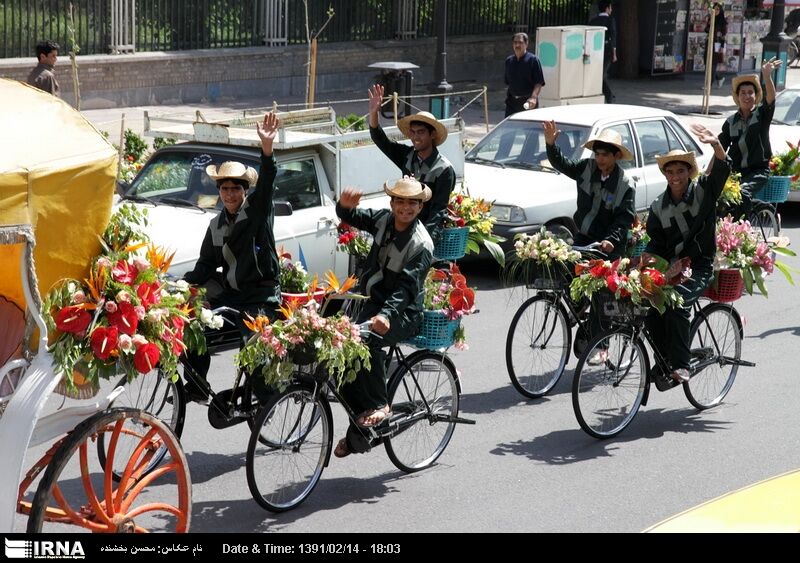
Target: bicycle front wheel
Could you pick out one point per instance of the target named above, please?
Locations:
(289, 448)
(425, 392)
(716, 337)
(607, 393)
(537, 346)
(156, 395)
(765, 223)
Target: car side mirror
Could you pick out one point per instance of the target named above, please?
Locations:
(283, 209)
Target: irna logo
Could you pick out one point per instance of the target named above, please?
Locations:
(26, 549)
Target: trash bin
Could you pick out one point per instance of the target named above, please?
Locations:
(396, 77)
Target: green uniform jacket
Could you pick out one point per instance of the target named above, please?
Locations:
(394, 275)
(604, 213)
(245, 249)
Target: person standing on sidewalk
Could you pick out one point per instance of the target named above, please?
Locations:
(421, 160)
(524, 77)
(720, 31)
(745, 134)
(43, 76)
(604, 19)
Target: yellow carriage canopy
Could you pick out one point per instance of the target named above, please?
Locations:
(58, 174)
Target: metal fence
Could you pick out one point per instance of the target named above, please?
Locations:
(169, 25)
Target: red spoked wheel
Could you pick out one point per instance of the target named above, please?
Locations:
(77, 491)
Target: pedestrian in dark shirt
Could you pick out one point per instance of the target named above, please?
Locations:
(720, 32)
(745, 134)
(523, 77)
(43, 76)
(681, 224)
(421, 160)
(604, 19)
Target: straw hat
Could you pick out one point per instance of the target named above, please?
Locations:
(425, 117)
(679, 156)
(233, 170)
(612, 138)
(753, 79)
(408, 188)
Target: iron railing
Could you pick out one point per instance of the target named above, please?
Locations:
(169, 25)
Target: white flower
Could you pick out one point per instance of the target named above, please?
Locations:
(139, 340)
(217, 322)
(181, 285)
(125, 343)
(140, 264)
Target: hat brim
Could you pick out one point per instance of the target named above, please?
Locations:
(249, 175)
(688, 159)
(752, 79)
(423, 196)
(626, 154)
(441, 131)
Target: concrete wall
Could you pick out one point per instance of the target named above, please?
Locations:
(273, 73)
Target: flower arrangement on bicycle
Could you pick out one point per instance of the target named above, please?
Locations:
(476, 215)
(732, 190)
(353, 241)
(541, 255)
(739, 247)
(447, 293)
(647, 282)
(786, 163)
(297, 285)
(127, 317)
(637, 236)
(303, 336)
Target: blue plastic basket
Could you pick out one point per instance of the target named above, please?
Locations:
(437, 331)
(776, 190)
(452, 244)
(638, 249)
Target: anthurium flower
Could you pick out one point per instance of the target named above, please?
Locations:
(74, 320)
(104, 341)
(123, 272)
(149, 293)
(462, 299)
(146, 357)
(125, 319)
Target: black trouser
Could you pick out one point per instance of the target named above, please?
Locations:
(515, 104)
(368, 390)
(596, 325)
(607, 93)
(670, 331)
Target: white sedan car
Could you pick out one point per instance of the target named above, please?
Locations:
(786, 125)
(509, 165)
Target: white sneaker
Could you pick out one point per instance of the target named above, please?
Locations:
(720, 82)
(600, 357)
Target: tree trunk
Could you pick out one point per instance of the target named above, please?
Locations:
(628, 48)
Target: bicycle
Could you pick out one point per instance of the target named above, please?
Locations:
(166, 400)
(292, 440)
(540, 337)
(606, 397)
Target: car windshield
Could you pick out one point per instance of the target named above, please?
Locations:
(787, 107)
(179, 178)
(521, 143)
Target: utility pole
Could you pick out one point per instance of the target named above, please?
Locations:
(440, 104)
(776, 44)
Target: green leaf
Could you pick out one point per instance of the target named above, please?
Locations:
(496, 251)
(747, 274)
(784, 251)
(761, 286)
(786, 271)
(472, 247)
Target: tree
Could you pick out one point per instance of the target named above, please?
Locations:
(311, 60)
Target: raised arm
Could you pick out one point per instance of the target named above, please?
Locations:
(571, 168)
(766, 73)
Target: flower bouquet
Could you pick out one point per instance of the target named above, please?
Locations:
(739, 248)
(447, 299)
(731, 195)
(784, 170)
(542, 260)
(295, 281)
(651, 281)
(302, 337)
(637, 236)
(473, 214)
(353, 241)
(126, 318)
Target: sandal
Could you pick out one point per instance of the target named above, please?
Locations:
(341, 449)
(378, 415)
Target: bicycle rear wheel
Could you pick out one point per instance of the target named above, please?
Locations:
(289, 448)
(716, 334)
(537, 346)
(606, 396)
(421, 392)
(765, 222)
(154, 394)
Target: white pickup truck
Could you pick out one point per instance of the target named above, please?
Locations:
(315, 161)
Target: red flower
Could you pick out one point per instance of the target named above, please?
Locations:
(123, 272)
(439, 275)
(104, 341)
(125, 319)
(459, 199)
(459, 281)
(612, 282)
(460, 222)
(175, 337)
(657, 277)
(462, 299)
(74, 320)
(149, 293)
(146, 357)
(599, 269)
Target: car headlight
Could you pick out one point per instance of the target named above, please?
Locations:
(508, 213)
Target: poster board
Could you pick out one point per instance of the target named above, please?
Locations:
(734, 40)
(669, 45)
